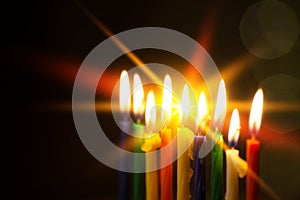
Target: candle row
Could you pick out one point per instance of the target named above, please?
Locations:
(190, 145)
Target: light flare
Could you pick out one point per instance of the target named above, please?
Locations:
(256, 113)
(119, 43)
(138, 97)
(167, 99)
(124, 95)
(220, 109)
(234, 128)
(202, 111)
(185, 105)
(150, 113)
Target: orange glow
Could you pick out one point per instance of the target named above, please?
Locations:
(138, 96)
(185, 104)
(124, 97)
(234, 127)
(202, 109)
(220, 109)
(238, 66)
(167, 99)
(150, 116)
(256, 113)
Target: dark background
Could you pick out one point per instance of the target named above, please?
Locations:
(45, 43)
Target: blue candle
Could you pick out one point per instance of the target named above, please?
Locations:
(124, 176)
(124, 103)
(199, 170)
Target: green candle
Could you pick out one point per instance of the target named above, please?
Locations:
(138, 178)
(216, 183)
(138, 131)
(216, 187)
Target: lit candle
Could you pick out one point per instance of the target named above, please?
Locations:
(138, 128)
(252, 146)
(184, 141)
(235, 166)
(166, 192)
(216, 187)
(152, 142)
(124, 103)
(199, 163)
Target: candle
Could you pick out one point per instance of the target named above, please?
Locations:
(124, 103)
(152, 142)
(234, 165)
(216, 187)
(199, 163)
(252, 146)
(184, 140)
(138, 128)
(166, 192)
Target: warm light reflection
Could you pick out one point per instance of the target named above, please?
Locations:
(256, 113)
(150, 116)
(124, 97)
(220, 109)
(64, 71)
(202, 110)
(234, 128)
(167, 99)
(138, 96)
(185, 105)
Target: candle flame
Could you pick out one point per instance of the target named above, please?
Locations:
(124, 97)
(234, 128)
(138, 96)
(202, 110)
(167, 99)
(220, 110)
(150, 116)
(185, 104)
(256, 113)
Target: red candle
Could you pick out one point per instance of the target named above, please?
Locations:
(252, 147)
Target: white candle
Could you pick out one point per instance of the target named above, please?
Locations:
(235, 166)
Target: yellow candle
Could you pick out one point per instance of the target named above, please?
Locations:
(152, 142)
(185, 151)
(235, 166)
(166, 173)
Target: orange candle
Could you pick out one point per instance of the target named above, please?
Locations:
(166, 192)
(252, 147)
